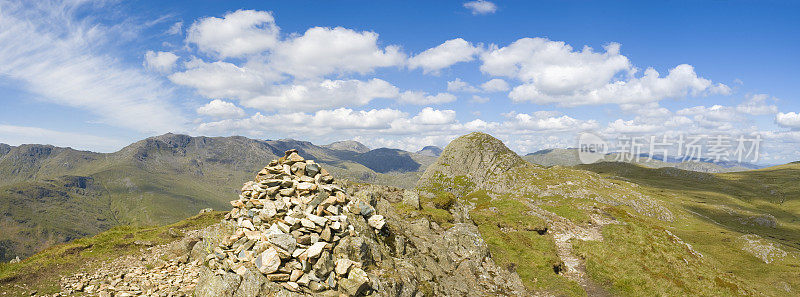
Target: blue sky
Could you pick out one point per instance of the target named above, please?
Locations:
(98, 75)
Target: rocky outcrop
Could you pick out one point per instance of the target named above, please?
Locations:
(325, 239)
(477, 158)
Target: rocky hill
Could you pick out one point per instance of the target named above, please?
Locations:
(155, 181)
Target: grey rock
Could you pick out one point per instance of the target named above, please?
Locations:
(356, 282)
(212, 285)
(324, 265)
(284, 241)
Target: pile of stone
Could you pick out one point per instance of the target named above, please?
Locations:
(287, 223)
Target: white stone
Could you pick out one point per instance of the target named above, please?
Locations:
(376, 221)
(268, 262)
(317, 219)
(315, 249)
(343, 266)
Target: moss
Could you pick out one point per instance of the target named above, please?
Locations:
(459, 186)
(425, 288)
(441, 217)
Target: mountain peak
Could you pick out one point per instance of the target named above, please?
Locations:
(348, 145)
(432, 151)
(476, 157)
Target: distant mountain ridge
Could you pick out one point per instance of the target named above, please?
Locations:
(569, 157)
(155, 181)
(348, 145)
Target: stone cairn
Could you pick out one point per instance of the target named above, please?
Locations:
(288, 221)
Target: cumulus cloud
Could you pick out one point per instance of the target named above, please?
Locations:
(552, 72)
(756, 104)
(444, 55)
(430, 116)
(491, 86)
(221, 109)
(421, 98)
(495, 85)
(630, 127)
(224, 80)
(481, 7)
(552, 67)
(313, 95)
(341, 121)
(54, 54)
(545, 121)
(236, 34)
(788, 120)
(159, 61)
(321, 51)
(459, 85)
(680, 82)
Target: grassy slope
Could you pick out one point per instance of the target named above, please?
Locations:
(661, 243)
(42, 271)
(715, 210)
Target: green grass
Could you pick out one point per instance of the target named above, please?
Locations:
(42, 271)
(715, 210)
(517, 242)
(641, 259)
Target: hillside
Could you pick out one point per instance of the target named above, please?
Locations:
(569, 157)
(154, 181)
(630, 231)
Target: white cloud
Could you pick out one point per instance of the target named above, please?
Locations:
(444, 55)
(479, 99)
(430, 116)
(221, 109)
(717, 113)
(756, 104)
(236, 34)
(495, 85)
(224, 80)
(491, 86)
(459, 85)
(552, 67)
(16, 135)
(159, 61)
(481, 7)
(788, 120)
(545, 121)
(322, 51)
(175, 29)
(624, 127)
(54, 54)
(680, 82)
(314, 95)
(422, 98)
(553, 73)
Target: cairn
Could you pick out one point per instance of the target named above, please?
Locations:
(288, 221)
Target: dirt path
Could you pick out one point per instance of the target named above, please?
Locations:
(563, 231)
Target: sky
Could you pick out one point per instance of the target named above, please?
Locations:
(98, 75)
